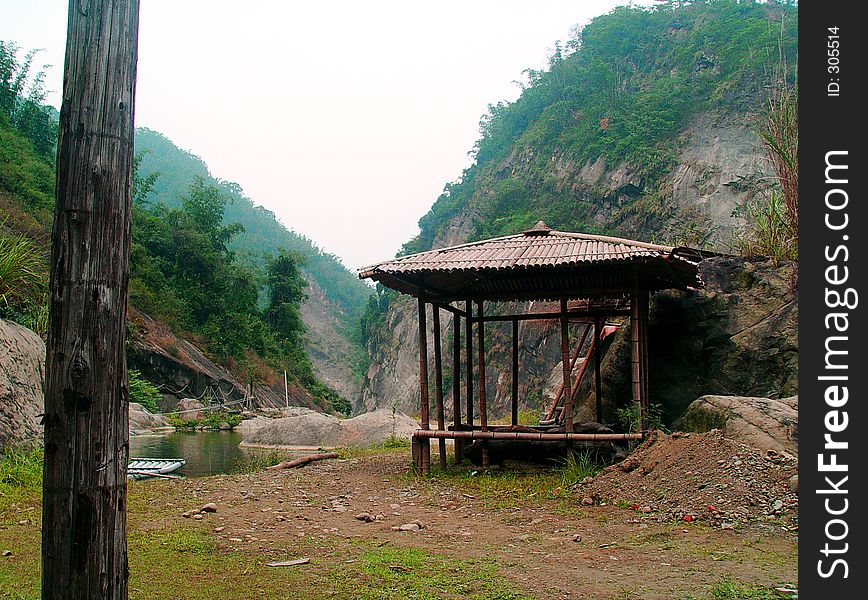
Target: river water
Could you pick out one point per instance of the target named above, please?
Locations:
(206, 452)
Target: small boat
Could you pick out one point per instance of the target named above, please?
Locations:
(142, 468)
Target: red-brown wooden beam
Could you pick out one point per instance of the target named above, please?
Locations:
(565, 359)
(483, 409)
(456, 384)
(515, 372)
(598, 378)
(469, 362)
(438, 383)
(424, 465)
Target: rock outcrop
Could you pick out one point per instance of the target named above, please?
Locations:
(22, 373)
(181, 370)
(142, 421)
(313, 429)
(762, 423)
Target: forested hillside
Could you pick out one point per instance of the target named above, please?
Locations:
(204, 259)
(622, 95)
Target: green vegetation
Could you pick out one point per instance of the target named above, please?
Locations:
(23, 280)
(20, 475)
(143, 391)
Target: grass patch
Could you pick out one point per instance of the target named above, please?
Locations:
(727, 589)
(391, 572)
(20, 476)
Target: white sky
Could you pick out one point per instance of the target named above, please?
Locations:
(344, 118)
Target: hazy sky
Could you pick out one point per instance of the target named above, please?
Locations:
(344, 118)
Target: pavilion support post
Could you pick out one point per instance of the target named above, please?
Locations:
(456, 385)
(598, 378)
(469, 356)
(424, 464)
(438, 384)
(515, 371)
(635, 347)
(565, 358)
(643, 349)
(483, 409)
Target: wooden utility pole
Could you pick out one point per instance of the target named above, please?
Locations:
(84, 552)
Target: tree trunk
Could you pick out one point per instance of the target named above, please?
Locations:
(84, 553)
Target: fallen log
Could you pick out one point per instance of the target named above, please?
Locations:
(298, 462)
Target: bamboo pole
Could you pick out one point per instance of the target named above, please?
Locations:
(598, 377)
(438, 383)
(526, 436)
(565, 358)
(515, 372)
(456, 384)
(469, 360)
(635, 360)
(483, 409)
(643, 347)
(424, 448)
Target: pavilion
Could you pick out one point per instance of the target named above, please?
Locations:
(592, 276)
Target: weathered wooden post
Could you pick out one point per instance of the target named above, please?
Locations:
(438, 384)
(565, 361)
(469, 341)
(84, 551)
(514, 372)
(635, 352)
(456, 385)
(424, 405)
(598, 375)
(483, 407)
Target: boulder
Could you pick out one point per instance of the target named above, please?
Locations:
(22, 375)
(763, 423)
(310, 428)
(142, 421)
(190, 408)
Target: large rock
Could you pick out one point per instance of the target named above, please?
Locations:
(142, 421)
(763, 423)
(22, 369)
(310, 428)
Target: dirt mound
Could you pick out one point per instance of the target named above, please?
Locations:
(701, 476)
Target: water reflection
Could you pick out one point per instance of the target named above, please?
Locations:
(206, 452)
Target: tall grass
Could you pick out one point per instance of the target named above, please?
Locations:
(769, 230)
(20, 474)
(22, 268)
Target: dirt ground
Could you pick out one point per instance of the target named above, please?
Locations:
(538, 537)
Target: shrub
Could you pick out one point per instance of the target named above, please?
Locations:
(143, 392)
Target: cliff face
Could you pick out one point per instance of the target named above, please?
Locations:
(328, 344)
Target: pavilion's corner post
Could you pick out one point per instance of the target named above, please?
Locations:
(644, 308)
(456, 386)
(598, 378)
(635, 351)
(483, 409)
(425, 443)
(515, 371)
(438, 384)
(468, 328)
(565, 359)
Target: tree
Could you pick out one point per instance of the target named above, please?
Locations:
(84, 551)
(286, 293)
